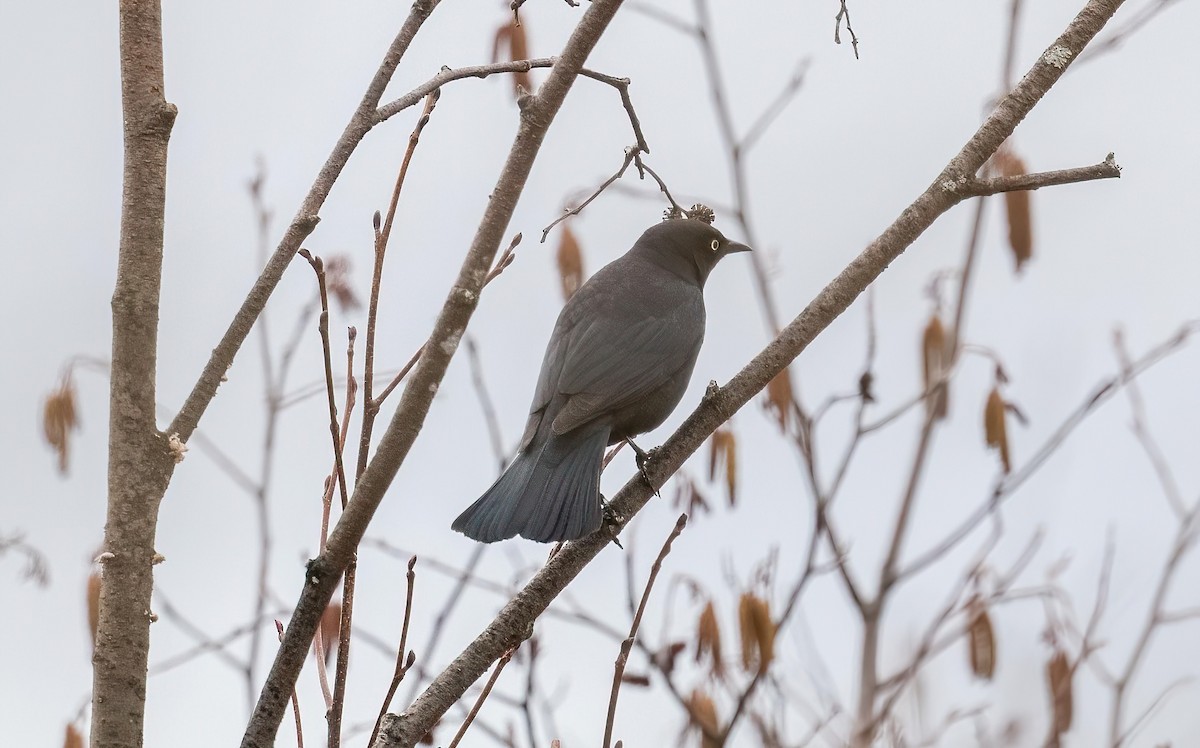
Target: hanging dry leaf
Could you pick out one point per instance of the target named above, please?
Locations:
(337, 282)
(708, 640)
(935, 360)
(511, 36)
(570, 263)
(758, 633)
(722, 454)
(688, 496)
(703, 715)
(74, 738)
(1017, 206)
(59, 419)
(93, 604)
(664, 659)
(982, 639)
(1058, 673)
(331, 623)
(779, 398)
(994, 428)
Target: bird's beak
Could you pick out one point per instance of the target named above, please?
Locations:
(732, 247)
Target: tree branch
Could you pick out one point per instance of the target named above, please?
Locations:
(537, 113)
(361, 122)
(721, 403)
(139, 462)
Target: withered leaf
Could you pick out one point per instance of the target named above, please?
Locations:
(779, 399)
(93, 604)
(74, 738)
(723, 455)
(758, 633)
(708, 640)
(331, 623)
(1018, 208)
(511, 36)
(703, 715)
(982, 639)
(935, 360)
(1058, 674)
(995, 429)
(59, 419)
(570, 263)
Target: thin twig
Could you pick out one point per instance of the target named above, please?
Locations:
(403, 663)
(623, 655)
(487, 689)
(295, 698)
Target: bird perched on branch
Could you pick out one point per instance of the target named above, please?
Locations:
(617, 364)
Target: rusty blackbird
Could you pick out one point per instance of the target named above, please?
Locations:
(617, 364)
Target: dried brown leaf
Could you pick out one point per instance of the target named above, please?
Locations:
(703, 715)
(74, 738)
(722, 455)
(59, 419)
(708, 640)
(337, 281)
(1058, 674)
(935, 360)
(93, 604)
(664, 659)
(688, 496)
(570, 263)
(331, 623)
(1018, 208)
(511, 36)
(780, 401)
(758, 633)
(982, 639)
(994, 427)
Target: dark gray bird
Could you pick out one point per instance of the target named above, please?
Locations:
(617, 364)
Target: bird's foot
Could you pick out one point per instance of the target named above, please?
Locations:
(641, 457)
(613, 521)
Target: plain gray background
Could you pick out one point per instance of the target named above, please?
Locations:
(278, 80)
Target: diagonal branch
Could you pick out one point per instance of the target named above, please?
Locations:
(537, 113)
(361, 122)
(721, 403)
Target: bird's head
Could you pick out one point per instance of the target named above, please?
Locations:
(687, 247)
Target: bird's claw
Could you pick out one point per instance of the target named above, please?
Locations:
(641, 457)
(613, 522)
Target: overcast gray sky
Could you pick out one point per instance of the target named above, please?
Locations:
(278, 80)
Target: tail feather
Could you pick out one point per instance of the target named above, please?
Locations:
(550, 492)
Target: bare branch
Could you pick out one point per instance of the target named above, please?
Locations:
(1106, 169)
(722, 402)
(538, 112)
(623, 655)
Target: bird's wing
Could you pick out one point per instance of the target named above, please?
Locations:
(613, 361)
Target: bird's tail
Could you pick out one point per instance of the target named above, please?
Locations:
(550, 492)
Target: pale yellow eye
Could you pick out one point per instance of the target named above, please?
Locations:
(715, 245)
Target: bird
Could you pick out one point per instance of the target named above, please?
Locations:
(618, 362)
